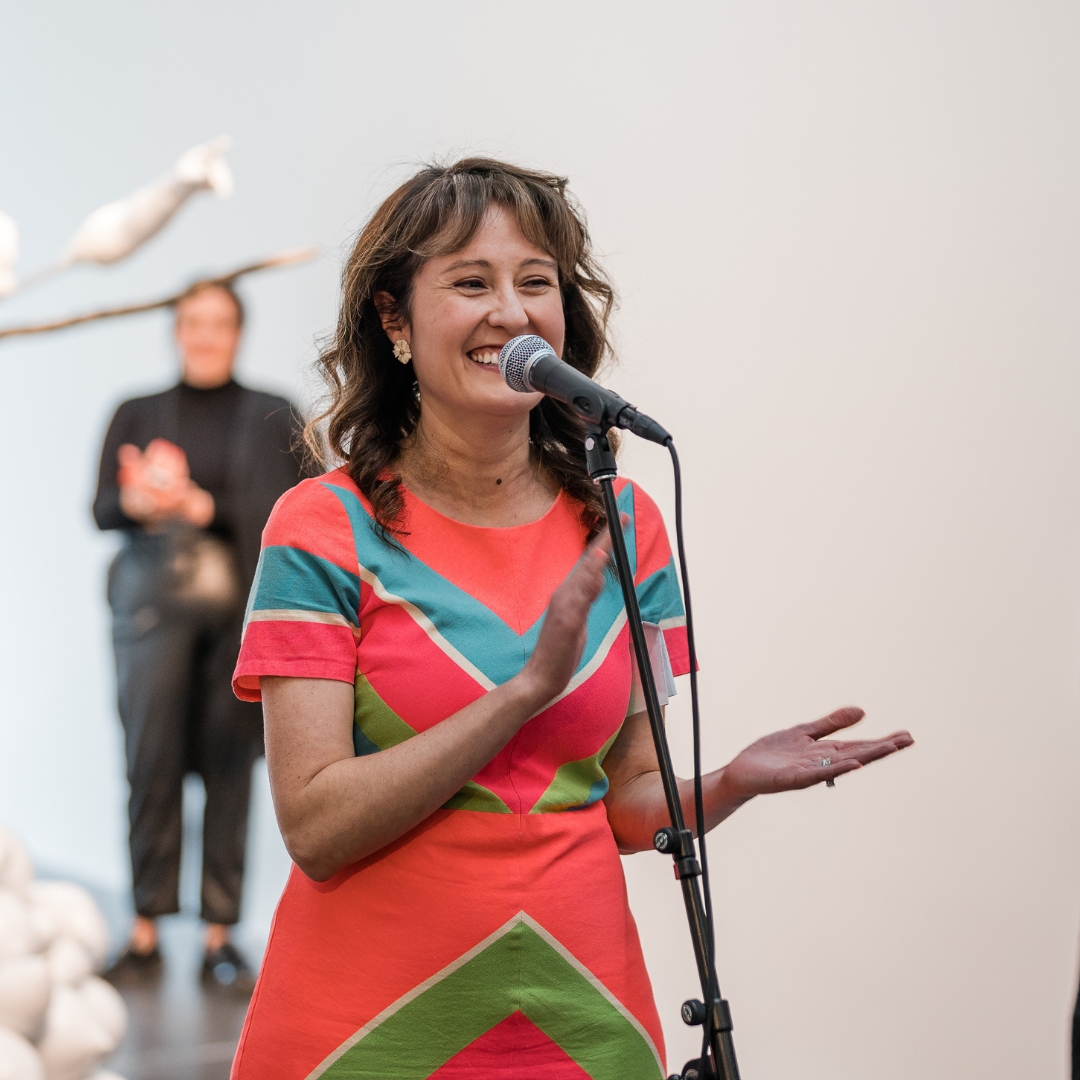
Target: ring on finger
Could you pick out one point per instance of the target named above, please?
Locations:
(825, 763)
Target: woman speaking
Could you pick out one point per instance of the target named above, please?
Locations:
(456, 748)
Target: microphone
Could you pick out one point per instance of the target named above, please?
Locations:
(529, 365)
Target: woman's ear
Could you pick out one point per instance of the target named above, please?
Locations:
(387, 308)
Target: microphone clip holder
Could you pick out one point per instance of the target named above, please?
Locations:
(719, 1062)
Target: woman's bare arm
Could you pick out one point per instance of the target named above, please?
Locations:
(783, 761)
(334, 808)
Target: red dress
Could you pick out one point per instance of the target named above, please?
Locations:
(494, 940)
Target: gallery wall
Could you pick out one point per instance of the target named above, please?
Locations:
(845, 238)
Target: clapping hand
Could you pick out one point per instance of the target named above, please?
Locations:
(156, 486)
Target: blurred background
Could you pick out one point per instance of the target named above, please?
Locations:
(846, 240)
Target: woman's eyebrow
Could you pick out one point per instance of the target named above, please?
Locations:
(467, 262)
(487, 265)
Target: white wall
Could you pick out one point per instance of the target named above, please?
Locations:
(846, 239)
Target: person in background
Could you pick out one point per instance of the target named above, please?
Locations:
(190, 476)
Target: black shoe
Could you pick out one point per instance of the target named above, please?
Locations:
(132, 967)
(227, 969)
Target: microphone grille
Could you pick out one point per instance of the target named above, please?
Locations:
(515, 357)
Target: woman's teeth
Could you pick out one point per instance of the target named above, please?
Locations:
(485, 356)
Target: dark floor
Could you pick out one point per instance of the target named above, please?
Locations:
(179, 1030)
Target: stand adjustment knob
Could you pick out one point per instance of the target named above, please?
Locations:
(666, 841)
(698, 1069)
(678, 844)
(693, 1012)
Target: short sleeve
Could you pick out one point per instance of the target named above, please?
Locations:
(655, 578)
(302, 617)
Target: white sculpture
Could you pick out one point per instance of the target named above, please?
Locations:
(76, 915)
(24, 994)
(51, 936)
(9, 253)
(68, 962)
(16, 931)
(83, 1025)
(16, 870)
(115, 230)
(18, 1059)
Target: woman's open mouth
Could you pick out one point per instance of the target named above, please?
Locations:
(485, 357)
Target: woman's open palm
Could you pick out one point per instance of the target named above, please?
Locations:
(797, 757)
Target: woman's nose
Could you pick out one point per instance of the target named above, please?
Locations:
(509, 313)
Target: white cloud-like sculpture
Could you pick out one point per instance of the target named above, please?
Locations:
(114, 231)
(18, 1059)
(57, 1020)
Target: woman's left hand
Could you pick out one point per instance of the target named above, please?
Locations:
(792, 759)
(783, 761)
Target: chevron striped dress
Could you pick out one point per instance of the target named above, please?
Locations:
(494, 940)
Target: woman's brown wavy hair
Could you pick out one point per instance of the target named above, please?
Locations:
(373, 399)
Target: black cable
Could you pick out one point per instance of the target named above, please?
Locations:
(699, 802)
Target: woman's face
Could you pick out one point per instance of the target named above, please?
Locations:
(207, 335)
(467, 305)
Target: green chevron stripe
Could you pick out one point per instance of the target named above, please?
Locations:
(474, 796)
(576, 783)
(377, 727)
(427, 1030)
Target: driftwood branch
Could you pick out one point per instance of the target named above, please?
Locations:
(284, 258)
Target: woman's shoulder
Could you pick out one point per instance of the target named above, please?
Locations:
(312, 516)
(653, 551)
(638, 503)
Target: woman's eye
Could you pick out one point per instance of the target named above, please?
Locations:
(538, 283)
(470, 283)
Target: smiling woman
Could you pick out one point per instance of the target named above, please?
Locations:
(456, 749)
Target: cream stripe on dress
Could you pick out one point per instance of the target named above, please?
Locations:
(330, 618)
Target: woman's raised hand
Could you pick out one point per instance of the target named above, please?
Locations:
(791, 759)
(562, 635)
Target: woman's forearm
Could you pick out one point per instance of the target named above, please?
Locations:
(639, 807)
(350, 807)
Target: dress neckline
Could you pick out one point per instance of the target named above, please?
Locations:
(412, 499)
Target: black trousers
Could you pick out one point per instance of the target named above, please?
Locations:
(174, 670)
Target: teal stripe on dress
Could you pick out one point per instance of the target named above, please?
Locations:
(294, 580)
(472, 628)
(625, 501)
(659, 597)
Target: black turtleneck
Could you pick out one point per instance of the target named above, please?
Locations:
(206, 431)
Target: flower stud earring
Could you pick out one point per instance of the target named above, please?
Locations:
(402, 352)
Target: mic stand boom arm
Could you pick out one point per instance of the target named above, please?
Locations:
(676, 841)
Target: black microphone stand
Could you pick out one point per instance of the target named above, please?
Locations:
(675, 840)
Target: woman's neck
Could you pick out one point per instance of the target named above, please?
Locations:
(480, 474)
